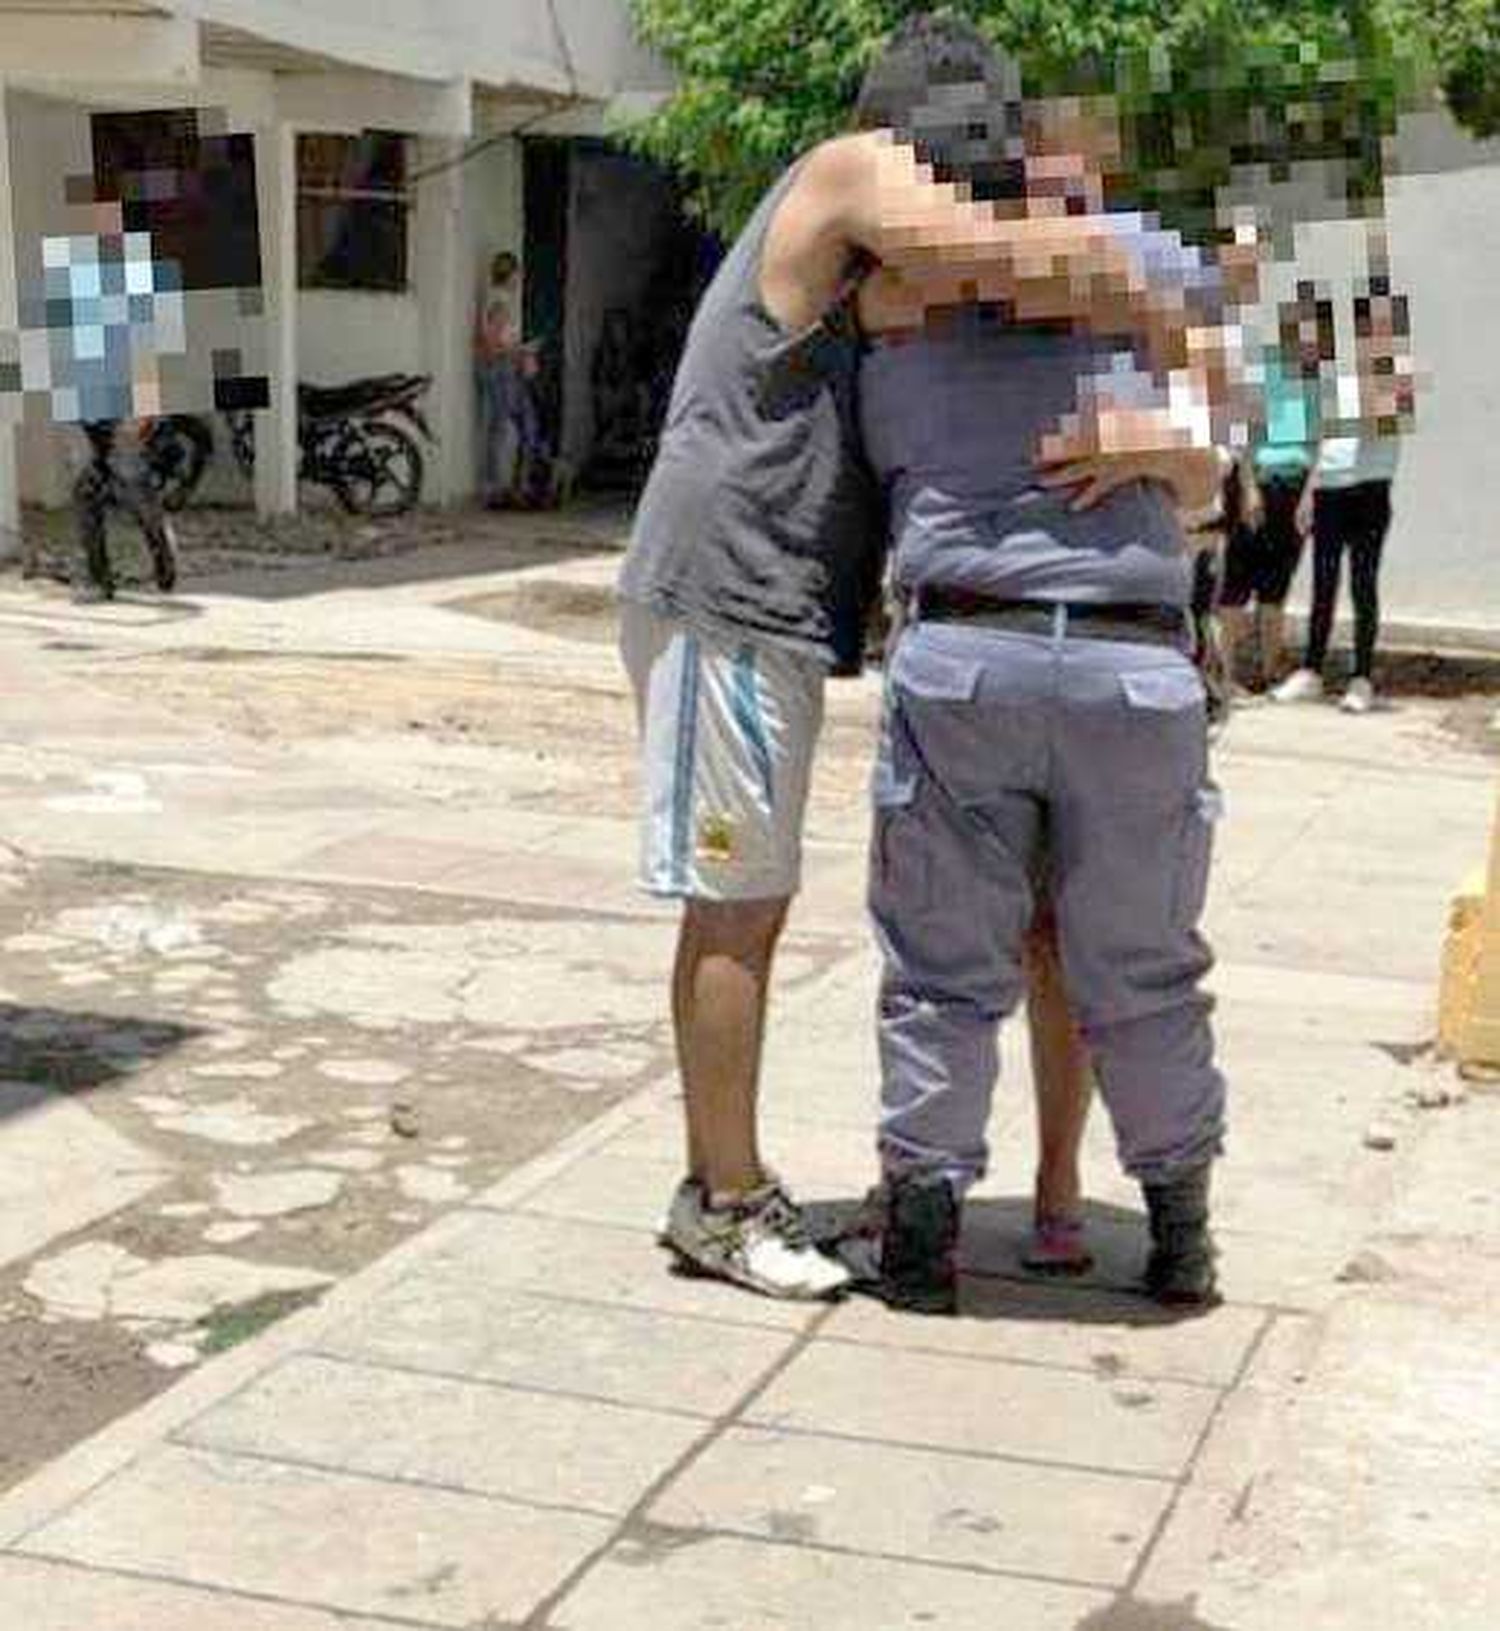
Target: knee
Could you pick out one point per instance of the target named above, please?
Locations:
(745, 931)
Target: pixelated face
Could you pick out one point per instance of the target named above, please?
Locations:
(1307, 333)
(109, 311)
(1072, 146)
(129, 276)
(1382, 357)
(970, 133)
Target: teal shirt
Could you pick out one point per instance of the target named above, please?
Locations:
(1291, 441)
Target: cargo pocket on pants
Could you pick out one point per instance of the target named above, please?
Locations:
(1204, 811)
(898, 873)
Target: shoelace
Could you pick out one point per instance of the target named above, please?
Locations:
(779, 1215)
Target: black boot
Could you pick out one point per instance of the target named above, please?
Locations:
(919, 1244)
(1180, 1271)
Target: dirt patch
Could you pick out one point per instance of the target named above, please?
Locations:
(61, 1382)
(316, 1072)
(1442, 676)
(572, 611)
(215, 539)
(293, 695)
(1475, 723)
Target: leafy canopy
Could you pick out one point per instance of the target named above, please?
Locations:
(1205, 86)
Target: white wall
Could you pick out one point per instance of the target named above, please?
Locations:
(344, 334)
(550, 44)
(49, 140)
(1444, 551)
(1442, 561)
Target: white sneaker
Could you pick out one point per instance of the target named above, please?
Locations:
(760, 1242)
(1303, 685)
(1359, 698)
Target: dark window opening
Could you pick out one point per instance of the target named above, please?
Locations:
(352, 208)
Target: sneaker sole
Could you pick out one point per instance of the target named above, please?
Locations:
(1182, 1301)
(940, 1304)
(693, 1268)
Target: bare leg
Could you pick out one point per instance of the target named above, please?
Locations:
(1271, 626)
(1060, 1073)
(1234, 633)
(719, 990)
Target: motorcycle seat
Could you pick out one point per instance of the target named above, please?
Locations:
(359, 396)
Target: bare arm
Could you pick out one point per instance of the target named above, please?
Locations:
(1084, 268)
(1097, 452)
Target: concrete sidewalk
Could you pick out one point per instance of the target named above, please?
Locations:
(520, 1419)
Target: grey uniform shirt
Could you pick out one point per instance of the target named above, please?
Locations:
(953, 423)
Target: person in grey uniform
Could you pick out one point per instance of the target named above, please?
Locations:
(1043, 711)
(757, 544)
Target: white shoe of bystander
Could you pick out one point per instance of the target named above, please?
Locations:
(1359, 698)
(1303, 685)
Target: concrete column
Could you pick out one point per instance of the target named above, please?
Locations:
(276, 428)
(443, 272)
(10, 474)
(1479, 1033)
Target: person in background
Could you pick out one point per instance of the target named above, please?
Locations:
(1265, 549)
(1348, 502)
(505, 366)
(118, 477)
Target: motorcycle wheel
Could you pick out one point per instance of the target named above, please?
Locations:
(242, 440)
(378, 470)
(180, 449)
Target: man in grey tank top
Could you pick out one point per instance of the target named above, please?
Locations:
(756, 548)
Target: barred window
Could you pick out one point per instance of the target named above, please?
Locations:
(352, 207)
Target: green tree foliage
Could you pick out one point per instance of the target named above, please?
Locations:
(1205, 86)
(1463, 38)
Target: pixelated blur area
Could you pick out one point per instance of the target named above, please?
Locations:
(139, 275)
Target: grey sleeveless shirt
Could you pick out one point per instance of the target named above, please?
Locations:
(760, 515)
(952, 424)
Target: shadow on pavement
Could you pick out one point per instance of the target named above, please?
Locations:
(994, 1286)
(66, 1052)
(1136, 1614)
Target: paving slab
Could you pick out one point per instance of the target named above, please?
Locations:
(721, 1584)
(1070, 1327)
(594, 1263)
(42, 1596)
(811, 1490)
(452, 1323)
(1097, 1422)
(61, 1168)
(355, 1545)
(478, 1437)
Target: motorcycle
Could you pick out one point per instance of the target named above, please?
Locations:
(353, 439)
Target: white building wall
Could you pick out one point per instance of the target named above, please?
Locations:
(48, 141)
(1442, 222)
(560, 45)
(1444, 552)
(347, 334)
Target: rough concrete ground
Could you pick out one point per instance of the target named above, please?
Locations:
(239, 1054)
(376, 826)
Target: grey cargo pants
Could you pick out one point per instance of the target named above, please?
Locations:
(1012, 760)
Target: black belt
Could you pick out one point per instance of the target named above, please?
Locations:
(1114, 620)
